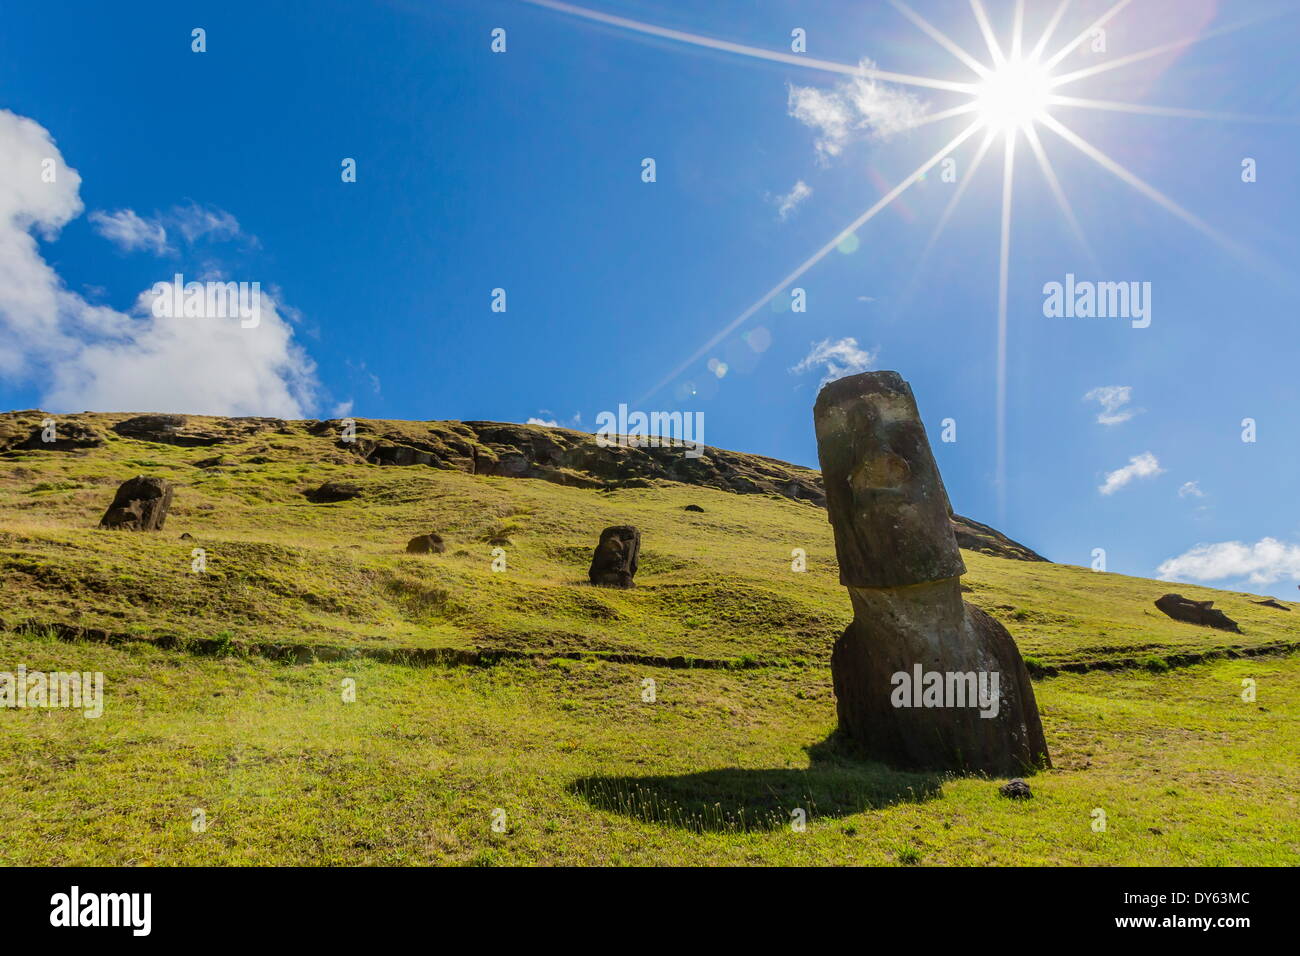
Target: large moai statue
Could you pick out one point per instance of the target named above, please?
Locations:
(922, 679)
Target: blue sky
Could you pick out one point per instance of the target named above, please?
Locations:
(522, 171)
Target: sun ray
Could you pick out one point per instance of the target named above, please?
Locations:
(1101, 21)
(1017, 30)
(726, 46)
(940, 38)
(1036, 144)
(1037, 51)
(964, 108)
(1004, 269)
(986, 28)
(1145, 110)
(1172, 45)
(1141, 185)
(815, 258)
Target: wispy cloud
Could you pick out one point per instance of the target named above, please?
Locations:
(203, 222)
(839, 358)
(856, 107)
(786, 204)
(1263, 562)
(1190, 489)
(128, 231)
(1113, 399)
(1144, 465)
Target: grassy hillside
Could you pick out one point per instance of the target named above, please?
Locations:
(585, 770)
(716, 585)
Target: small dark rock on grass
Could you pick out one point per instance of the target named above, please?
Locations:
(1016, 790)
(333, 491)
(694, 508)
(430, 543)
(1271, 603)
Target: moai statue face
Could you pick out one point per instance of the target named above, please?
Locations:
(884, 497)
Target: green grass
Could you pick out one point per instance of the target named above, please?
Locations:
(587, 773)
(716, 585)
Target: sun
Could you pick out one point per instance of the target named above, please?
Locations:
(1014, 95)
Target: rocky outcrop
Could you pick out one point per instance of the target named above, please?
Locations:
(141, 504)
(922, 679)
(193, 431)
(426, 544)
(974, 536)
(613, 564)
(1196, 612)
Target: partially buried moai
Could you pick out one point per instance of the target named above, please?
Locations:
(922, 679)
(613, 565)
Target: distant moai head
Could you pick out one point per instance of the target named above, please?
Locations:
(884, 497)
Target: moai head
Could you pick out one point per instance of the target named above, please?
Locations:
(884, 497)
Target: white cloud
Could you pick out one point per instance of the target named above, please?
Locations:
(838, 358)
(549, 423)
(129, 231)
(1190, 489)
(1139, 466)
(786, 204)
(93, 357)
(1112, 399)
(1263, 562)
(855, 106)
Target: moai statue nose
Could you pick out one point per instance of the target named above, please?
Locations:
(899, 559)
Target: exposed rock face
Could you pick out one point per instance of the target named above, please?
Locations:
(66, 435)
(426, 544)
(141, 504)
(974, 536)
(614, 562)
(922, 679)
(192, 432)
(333, 491)
(1196, 612)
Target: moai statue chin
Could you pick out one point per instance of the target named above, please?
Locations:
(922, 679)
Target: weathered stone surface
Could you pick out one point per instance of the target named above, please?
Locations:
(141, 504)
(887, 503)
(430, 543)
(898, 556)
(332, 491)
(614, 562)
(1196, 612)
